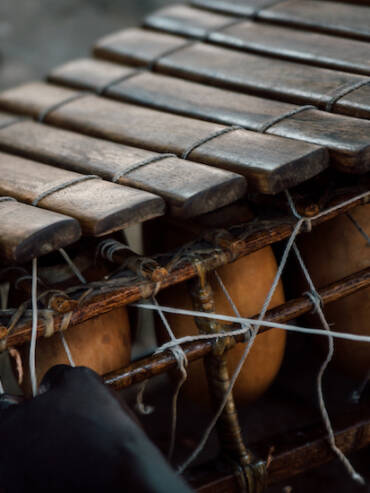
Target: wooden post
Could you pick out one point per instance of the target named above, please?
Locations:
(252, 479)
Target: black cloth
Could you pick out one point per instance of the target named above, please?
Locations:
(77, 436)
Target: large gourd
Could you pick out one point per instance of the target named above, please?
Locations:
(248, 281)
(101, 343)
(332, 251)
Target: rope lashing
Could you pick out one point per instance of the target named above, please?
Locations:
(141, 164)
(62, 186)
(44, 113)
(200, 142)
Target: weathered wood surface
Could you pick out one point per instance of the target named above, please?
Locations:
(257, 74)
(283, 42)
(348, 139)
(344, 19)
(160, 363)
(99, 206)
(270, 163)
(27, 232)
(188, 188)
(116, 296)
(294, 453)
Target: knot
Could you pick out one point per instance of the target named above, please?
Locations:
(248, 331)
(315, 299)
(307, 221)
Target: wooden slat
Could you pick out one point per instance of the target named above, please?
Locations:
(347, 138)
(256, 74)
(188, 188)
(344, 19)
(280, 41)
(27, 232)
(270, 163)
(99, 206)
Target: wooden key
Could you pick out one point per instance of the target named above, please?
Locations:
(271, 164)
(282, 42)
(188, 188)
(256, 74)
(348, 20)
(27, 232)
(348, 139)
(99, 206)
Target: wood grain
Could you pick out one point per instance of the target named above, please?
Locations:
(27, 232)
(343, 19)
(195, 190)
(256, 74)
(347, 139)
(270, 164)
(99, 206)
(279, 41)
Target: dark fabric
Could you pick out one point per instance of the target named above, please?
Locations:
(77, 436)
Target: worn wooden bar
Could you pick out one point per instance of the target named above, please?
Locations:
(348, 139)
(299, 45)
(116, 294)
(294, 453)
(270, 163)
(347, 20)
(30, 182)
(256, 74)
(27, 232)
(188, 188)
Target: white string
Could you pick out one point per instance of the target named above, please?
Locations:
(32, 354)
(140, 405)
(81, 278)
(359, 228)
(241, 320)
(2, 391)
(182, 363)
(324, 412)
(73, 266)
(230, 300)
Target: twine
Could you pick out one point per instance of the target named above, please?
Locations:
(151, 65)
(118, 80)
(359, 228)
(7, 199)
(32, 353)
(266, 126)
(182, 363)
(44, 113)
(141, 164)
(62, 186)
(213, 136)
(316, 299)
(341, 92)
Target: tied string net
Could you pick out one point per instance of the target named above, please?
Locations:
(257, 324)
(182, 364)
